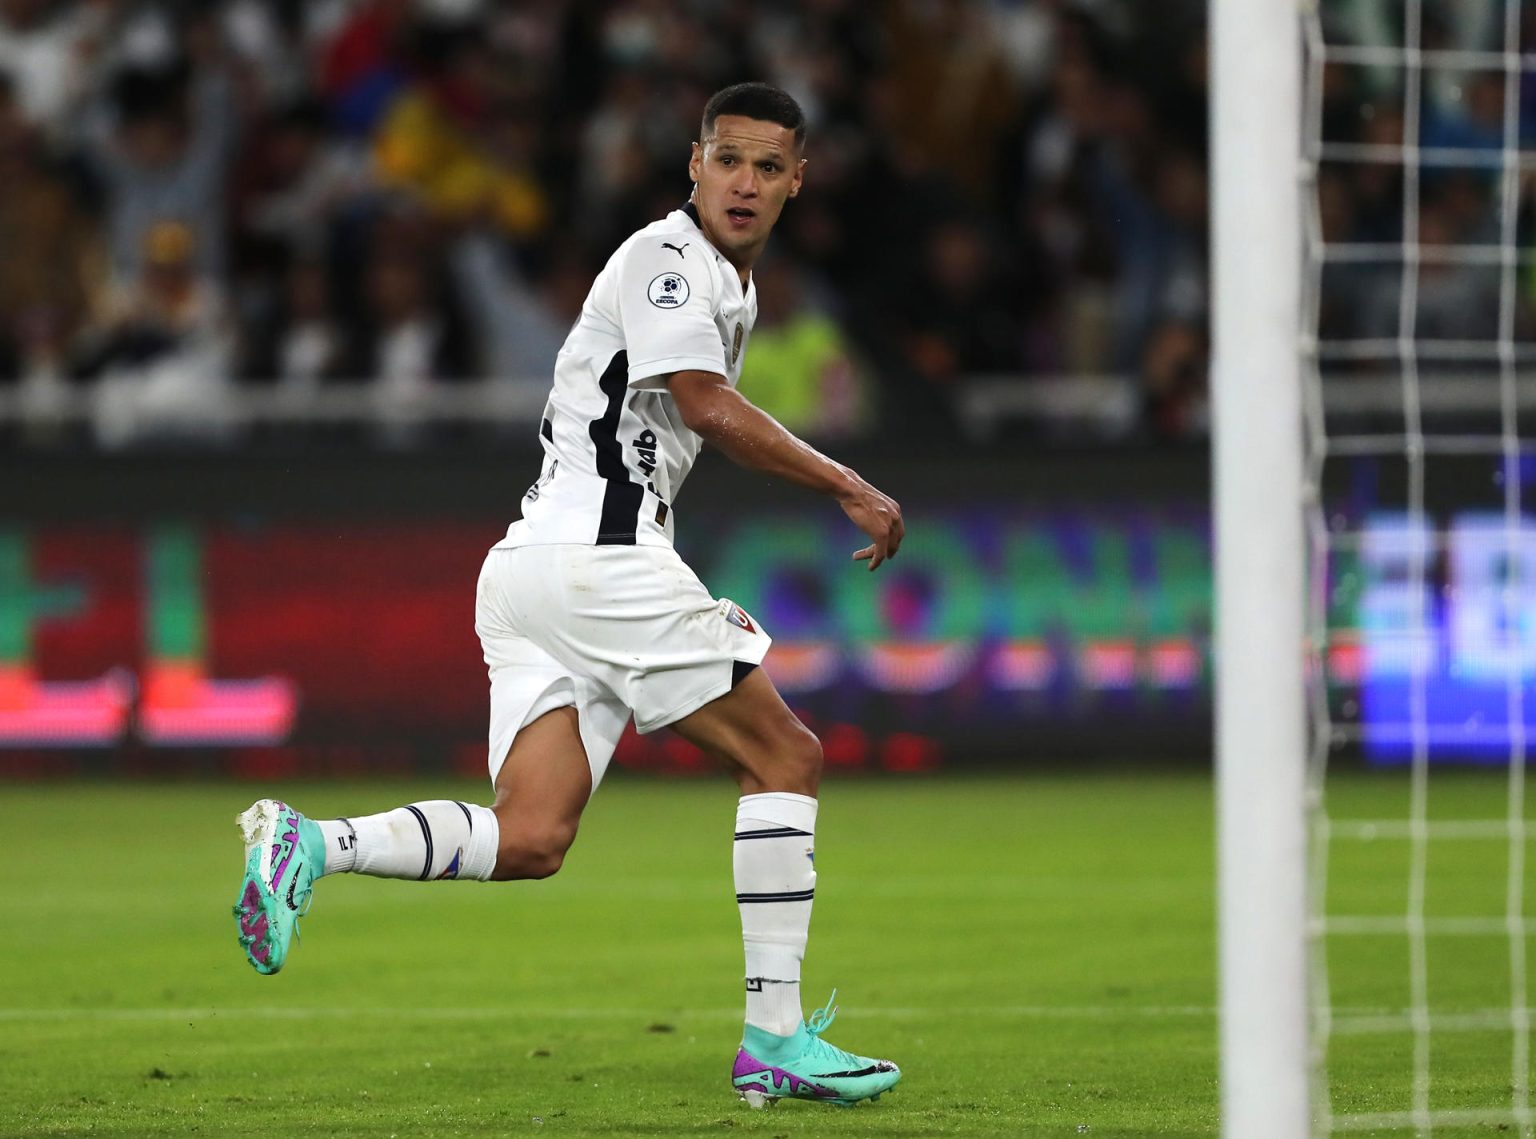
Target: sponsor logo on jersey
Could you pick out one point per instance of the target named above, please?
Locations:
(645, 447)
(678, 249)
(670, 290)
(736, 345)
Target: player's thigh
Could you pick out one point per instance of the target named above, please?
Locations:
(544, 783)
(552, 764)
(637, 620)
(527, 683)
(755, 733)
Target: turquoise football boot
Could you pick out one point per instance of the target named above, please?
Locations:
(804, 1066)
(284, 854)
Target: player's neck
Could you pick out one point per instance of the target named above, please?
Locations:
(740, 260)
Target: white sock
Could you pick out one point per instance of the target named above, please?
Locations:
(775, 862)
(442, 838)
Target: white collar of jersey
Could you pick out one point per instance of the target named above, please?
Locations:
(690, 211)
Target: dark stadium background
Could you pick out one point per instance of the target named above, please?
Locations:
(283, 282)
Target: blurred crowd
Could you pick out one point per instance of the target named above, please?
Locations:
(1463, 212)
(394, 195)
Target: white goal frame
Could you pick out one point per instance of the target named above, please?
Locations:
(1258, 489)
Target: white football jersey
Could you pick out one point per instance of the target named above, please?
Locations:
(616, 451)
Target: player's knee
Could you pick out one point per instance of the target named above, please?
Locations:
(542, 863)
(808, 756)
(793, 763)
(533, 853)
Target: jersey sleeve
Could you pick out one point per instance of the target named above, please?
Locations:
(667, 303)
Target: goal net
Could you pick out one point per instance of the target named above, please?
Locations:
(1417, 334)
(1415, 331)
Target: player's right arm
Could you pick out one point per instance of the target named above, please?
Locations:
(752, 438)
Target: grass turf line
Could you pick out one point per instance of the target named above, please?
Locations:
(1036, 952)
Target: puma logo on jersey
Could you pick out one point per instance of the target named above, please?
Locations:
(678, 249)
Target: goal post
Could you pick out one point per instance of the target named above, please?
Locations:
(1257, 478)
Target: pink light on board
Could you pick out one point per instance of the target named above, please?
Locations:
(1107, 664)
(182, 707)
(63, 713)
(1023, 666)
(1175, 663)
(803, 666)
(928, 667)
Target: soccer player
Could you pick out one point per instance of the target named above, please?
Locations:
(588, 616)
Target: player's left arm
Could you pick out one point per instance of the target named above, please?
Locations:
(752, 438)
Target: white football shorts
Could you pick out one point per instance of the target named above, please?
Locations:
(609, 630)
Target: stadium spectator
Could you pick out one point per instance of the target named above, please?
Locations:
(801, 369)
(293, 180)
(165, 350)
(521, 325)
(162, 151)
(1068, 134)
(52, 274)
(459, 138)
(408, 332)
(953, 314)
(1173, 381)
(302, 345)
(359, 72)
(953, 88)
(49, 51)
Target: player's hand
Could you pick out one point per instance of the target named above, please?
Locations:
(879, 516)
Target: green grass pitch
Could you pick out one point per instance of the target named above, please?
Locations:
(1037, 952)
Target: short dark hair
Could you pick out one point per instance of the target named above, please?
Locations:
(755, 101)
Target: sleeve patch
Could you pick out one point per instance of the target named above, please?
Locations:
(669, 290)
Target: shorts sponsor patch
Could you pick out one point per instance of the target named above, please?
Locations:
(737, 616)
(670, 290)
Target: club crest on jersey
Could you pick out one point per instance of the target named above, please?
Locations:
(670, 290)
(737, 616)
(736, 345)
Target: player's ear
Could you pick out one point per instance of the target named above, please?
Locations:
(794, 185)
(695, 162)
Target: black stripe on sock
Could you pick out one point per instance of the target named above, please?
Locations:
(785, 896)
(621, 497)
(755, 984)
(773, 832)
(468, 818)
(426, 833)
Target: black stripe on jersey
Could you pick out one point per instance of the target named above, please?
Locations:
(785, 896)
(547, 429)
(622, 498)
(426, 834)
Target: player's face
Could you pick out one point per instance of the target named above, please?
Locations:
(744, 171)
